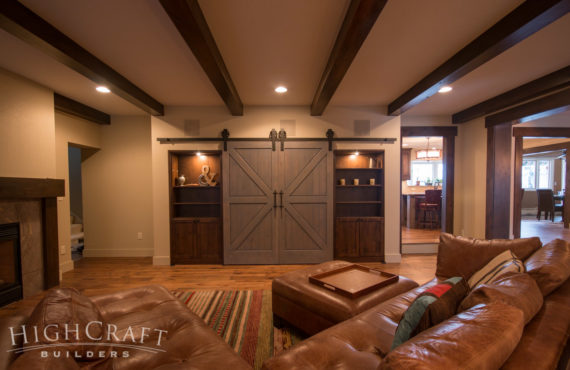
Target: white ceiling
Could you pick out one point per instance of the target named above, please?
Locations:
(269, 42)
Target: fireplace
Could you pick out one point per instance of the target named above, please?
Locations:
(10, 264)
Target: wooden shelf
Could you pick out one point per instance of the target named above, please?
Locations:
(196, 187)
(195, 219)
(359, 169)
(359, 186)
(361, 202)
(196, 204)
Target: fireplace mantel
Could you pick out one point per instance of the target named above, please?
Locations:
(46, 190)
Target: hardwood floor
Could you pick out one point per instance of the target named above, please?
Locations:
(419, 236)
(94, 276)
(545, 230)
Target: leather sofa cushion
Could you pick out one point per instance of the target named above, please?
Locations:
(63, 306)
(550, 265)
(512, 288)
(543, 339)
(461, 256)
(188, 343)
(482, 337)
(33, 360)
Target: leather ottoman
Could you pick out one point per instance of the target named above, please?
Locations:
(312, 308)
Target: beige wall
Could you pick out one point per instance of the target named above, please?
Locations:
(69, 130)
(27, 128)
(117, 193)
(470, 179)
(257, 122)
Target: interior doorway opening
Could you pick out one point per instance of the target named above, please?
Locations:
(543, 172)
(422, 192)
(75, 202)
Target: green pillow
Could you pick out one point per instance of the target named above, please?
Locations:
(434, 305)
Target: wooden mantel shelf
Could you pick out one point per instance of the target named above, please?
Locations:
(25, 188)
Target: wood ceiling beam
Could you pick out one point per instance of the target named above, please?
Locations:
(358, 21)
(21, 22)
(70, 106)
(547, 148)
(192, 26)
(522, 22)
(533, 110)
(544, 85)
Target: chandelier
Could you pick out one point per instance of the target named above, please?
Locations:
(428, 153)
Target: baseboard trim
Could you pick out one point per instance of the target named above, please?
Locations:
(118, 252)
(64, 267)
(425, 248)
(393, 258)
(161, 260)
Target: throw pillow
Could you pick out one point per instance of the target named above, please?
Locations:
(504, 262)
(550, 265)
(512, 288)
(434, 305)
(460, 256)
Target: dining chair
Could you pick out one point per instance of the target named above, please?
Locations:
(547, 205)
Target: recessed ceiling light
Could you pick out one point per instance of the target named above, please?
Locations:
(434, 148)
(103, 89)
(445, 89)
(280, 89)
(404, 144)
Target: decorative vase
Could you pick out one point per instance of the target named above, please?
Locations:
(181, 180)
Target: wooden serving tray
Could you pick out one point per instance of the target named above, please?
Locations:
(353, 280)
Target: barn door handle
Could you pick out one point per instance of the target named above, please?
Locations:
(281, 197)
(274, 198)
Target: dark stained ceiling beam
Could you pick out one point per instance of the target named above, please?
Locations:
(544, 85)
(21, 22)
(192, 26)
(533, 110)
(526, 19)
(360, 17)
(70, 106)
(547, 148)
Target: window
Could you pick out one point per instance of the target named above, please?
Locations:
(537, 172)
(563, 180)
(426, 171)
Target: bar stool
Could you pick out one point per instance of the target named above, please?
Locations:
(431, 208)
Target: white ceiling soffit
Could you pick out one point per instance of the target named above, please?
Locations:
(409, 40)
(267, 43)
(25, 60)
(544, 52)
(138, 40)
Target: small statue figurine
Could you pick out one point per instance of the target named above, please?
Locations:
(205, 179)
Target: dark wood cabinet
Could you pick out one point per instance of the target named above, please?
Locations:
(406, 164)
(195, 211)
(359, 206)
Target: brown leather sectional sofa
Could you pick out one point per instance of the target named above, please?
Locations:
(489, 335)
(522, 322)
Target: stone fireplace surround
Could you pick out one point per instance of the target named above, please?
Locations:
(33, 204)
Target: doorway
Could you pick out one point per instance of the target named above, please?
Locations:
(75, 202)
(541, 183)
(427, 168)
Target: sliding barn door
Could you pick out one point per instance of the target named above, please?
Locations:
(250, 217)
(306, 219)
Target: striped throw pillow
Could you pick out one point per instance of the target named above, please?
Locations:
(504, 262)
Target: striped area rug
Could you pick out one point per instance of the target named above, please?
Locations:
(244, 319)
